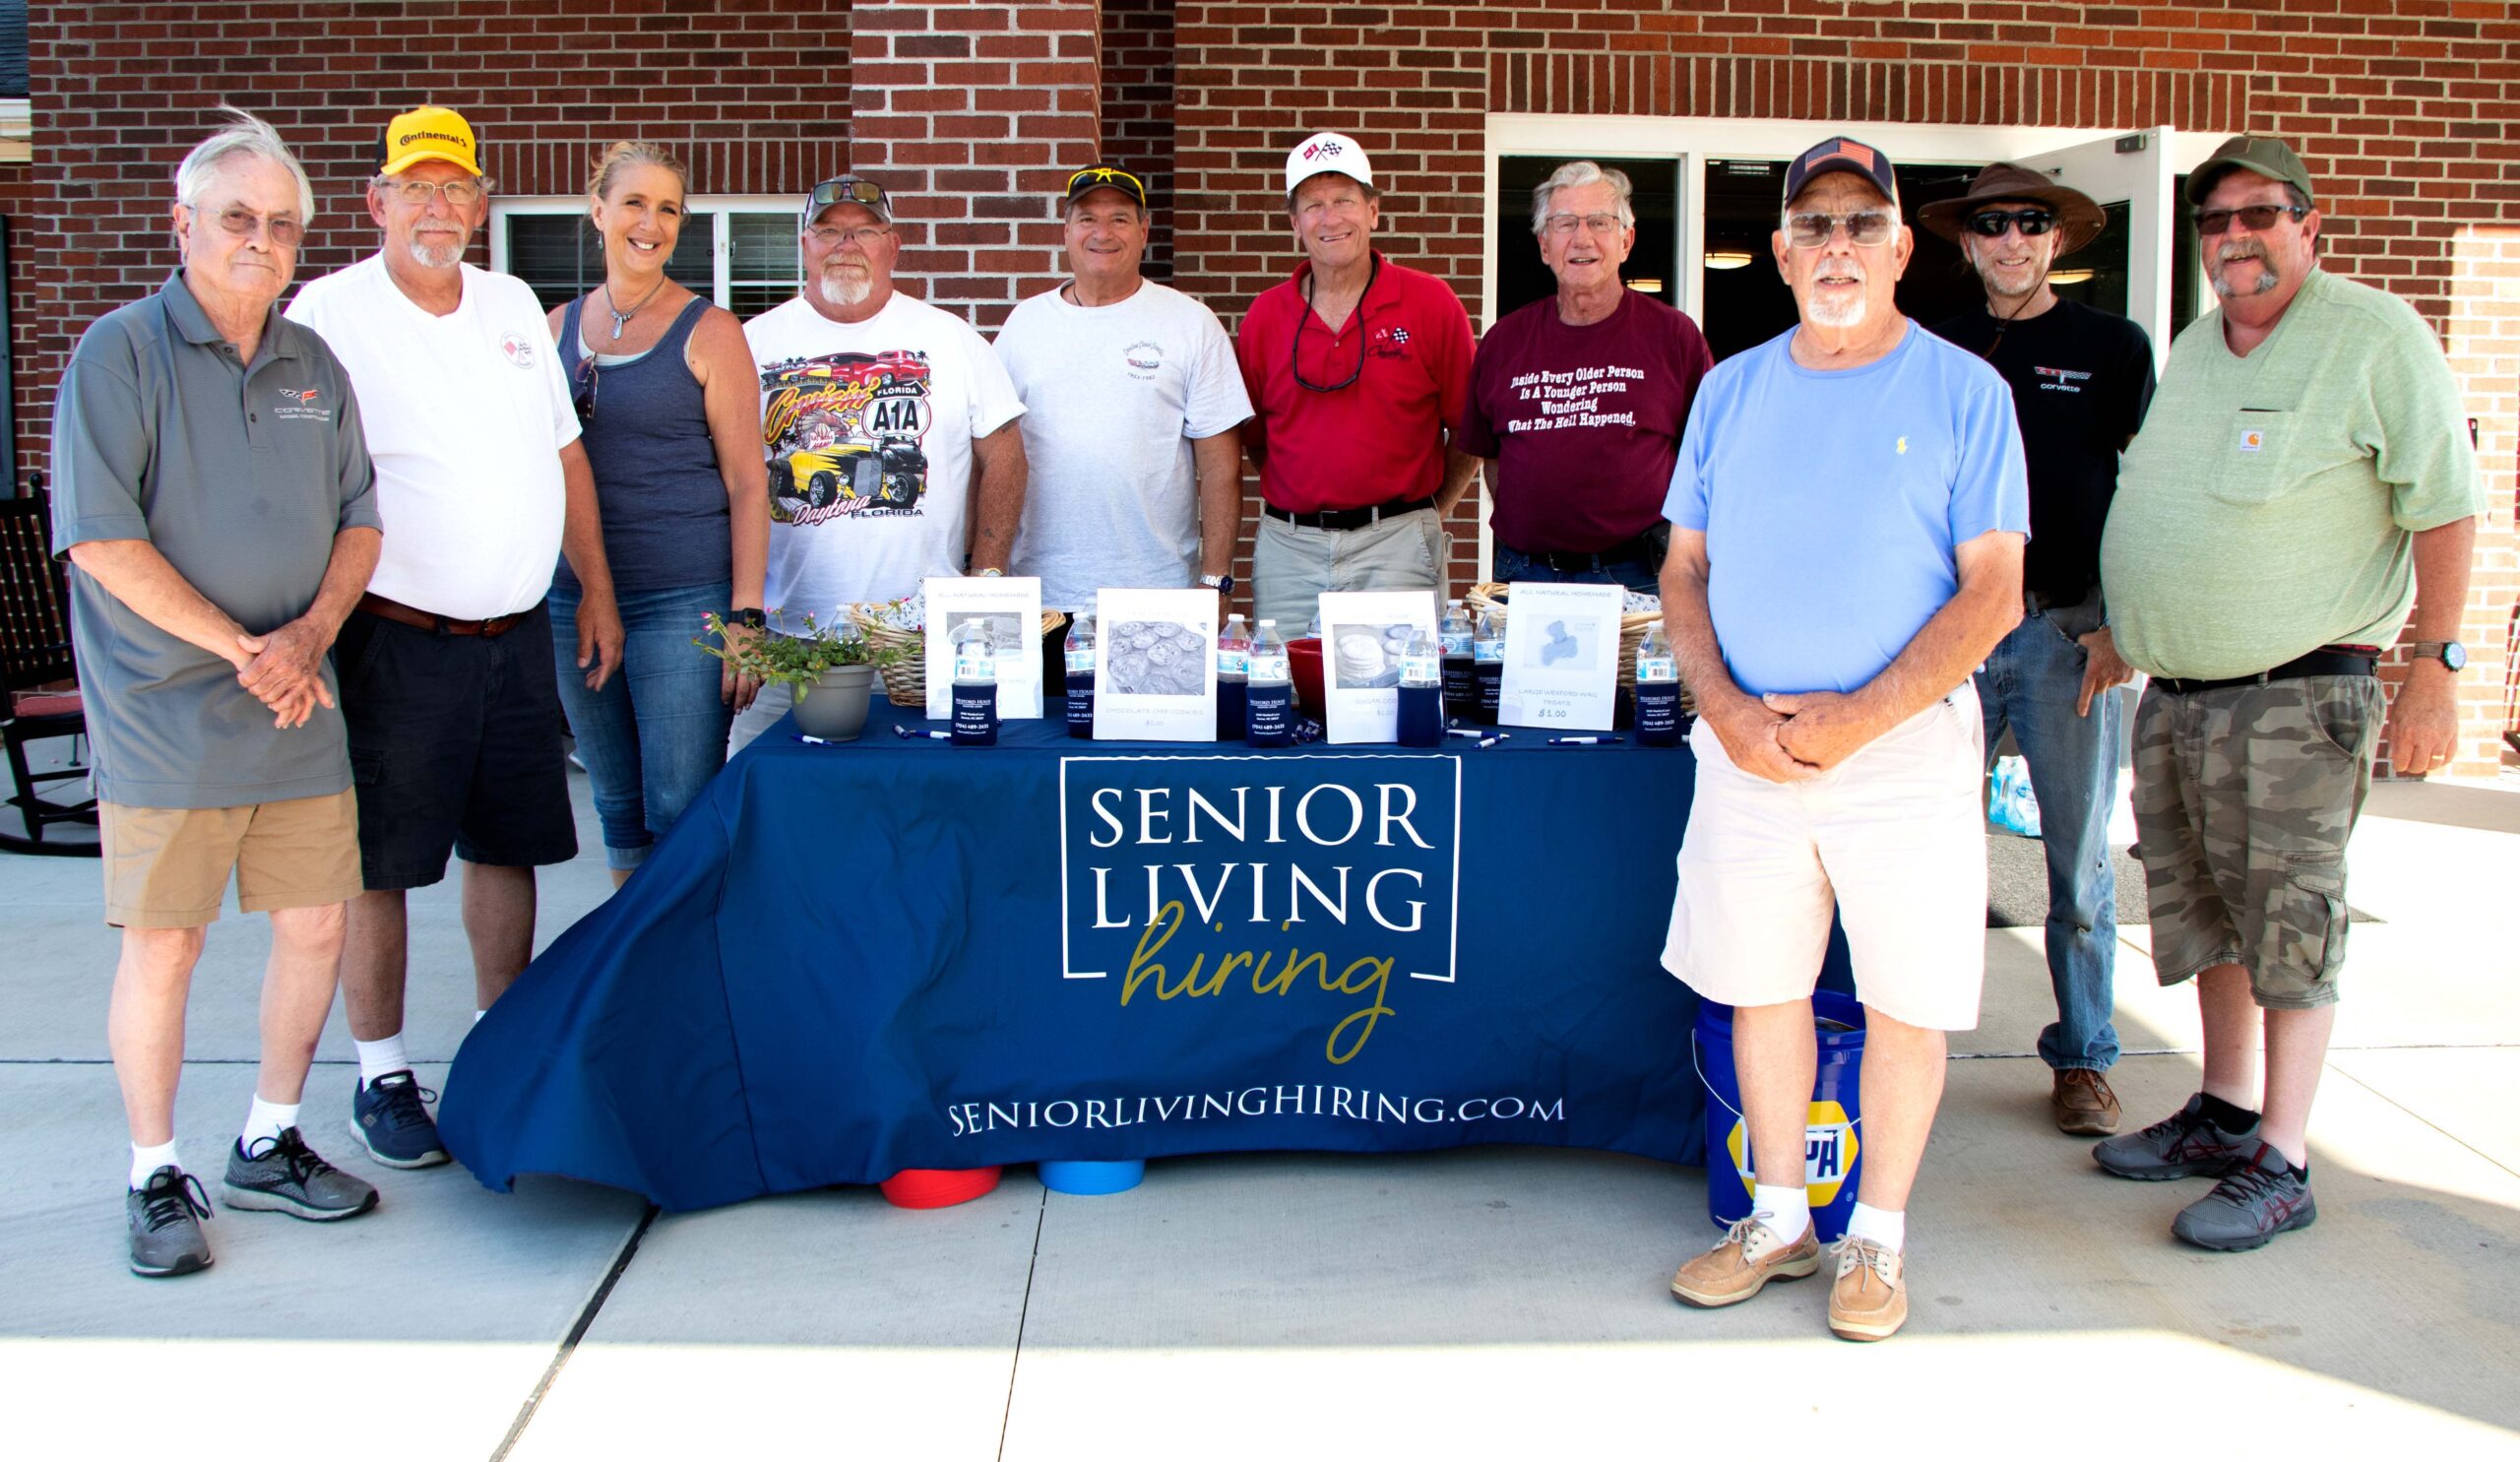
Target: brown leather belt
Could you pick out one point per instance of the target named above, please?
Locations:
(401, 613)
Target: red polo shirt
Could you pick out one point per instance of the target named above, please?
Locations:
(1379, 440)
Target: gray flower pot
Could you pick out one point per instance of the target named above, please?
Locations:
(834, 706)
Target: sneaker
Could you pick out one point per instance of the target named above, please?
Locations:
(165, 1218)
(286, 1176)
(1749, 1255)
(1870, 1300)
(2255, 1201)
(2182, 1145)
(2083, 1103)
(391, 1118)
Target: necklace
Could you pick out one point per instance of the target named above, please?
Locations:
(621, 318)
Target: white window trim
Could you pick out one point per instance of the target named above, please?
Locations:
(721, 208)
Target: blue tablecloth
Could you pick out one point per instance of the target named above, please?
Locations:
(849, 960)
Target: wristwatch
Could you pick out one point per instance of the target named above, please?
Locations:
(1220, 583)
(992, 573)
(747, 618)
(2450, 653)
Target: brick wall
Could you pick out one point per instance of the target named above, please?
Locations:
(976, 115)
(17, 203)
(2401, 105)
(756, 100)
(1137, 110)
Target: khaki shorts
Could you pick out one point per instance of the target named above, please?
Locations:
(2244, 799)
(1893, 840)
(166, 868)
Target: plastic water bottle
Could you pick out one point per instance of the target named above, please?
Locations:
(1421, 691)
(1487, 662)
(1460, 679)
(1233, 669)
(1657, 691)
(1269, 704)
(974, 685)
(1080, 676)
(2011, 804)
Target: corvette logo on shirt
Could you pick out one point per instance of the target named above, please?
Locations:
(518, 349)
(300, 405)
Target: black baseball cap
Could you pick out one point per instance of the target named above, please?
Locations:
(1104, 175)
(1842, 154)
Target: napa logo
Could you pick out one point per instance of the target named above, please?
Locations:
(1829, 1150)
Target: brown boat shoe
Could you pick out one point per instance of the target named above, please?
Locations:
(1749, 1255)
(1870, 1300)
(2083, 1103)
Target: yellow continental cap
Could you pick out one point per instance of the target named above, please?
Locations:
(426, 132)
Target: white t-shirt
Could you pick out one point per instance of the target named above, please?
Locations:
(465, 416)
(868, 428)
(1113, 397)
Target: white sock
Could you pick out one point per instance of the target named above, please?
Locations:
(1882, 1227)
(380, 1058)
(148, 1160)
(1786, 1211)
(477, 1016)
(264, 1122)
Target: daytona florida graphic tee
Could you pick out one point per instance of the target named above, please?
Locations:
(868, 432)
(1582, 420)
(1113, 396)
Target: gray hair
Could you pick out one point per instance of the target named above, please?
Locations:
(1579, 175)
(245, 136)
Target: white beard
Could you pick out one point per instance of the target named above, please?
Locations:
(846, 290)
(445, 256)
(1840, 316)
(2267, 279)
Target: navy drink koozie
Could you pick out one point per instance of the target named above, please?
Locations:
(1231, 715)
(1270, 715)
(1079, 705)
(1658, 714)
(1421, 692)
(975, 713)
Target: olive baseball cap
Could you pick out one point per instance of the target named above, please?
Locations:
(2265, 156)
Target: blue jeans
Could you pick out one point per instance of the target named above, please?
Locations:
(657, 732)
(2030, 683)
(1513, 565)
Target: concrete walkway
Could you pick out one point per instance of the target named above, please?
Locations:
(1487, 1302)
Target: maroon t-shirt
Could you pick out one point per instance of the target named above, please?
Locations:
(1582, 420)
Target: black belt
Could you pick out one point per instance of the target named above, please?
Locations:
(2332, 661)
(1638, 549)
(1342, 519)
(401, 613)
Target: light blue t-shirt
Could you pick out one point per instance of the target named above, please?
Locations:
(1831, 501)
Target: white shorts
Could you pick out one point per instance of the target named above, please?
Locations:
(1895, 837)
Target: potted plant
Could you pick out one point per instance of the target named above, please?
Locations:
(829, 667)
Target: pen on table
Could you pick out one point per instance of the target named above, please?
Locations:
(1490, 740)
(906, 735)
(1585, 740)
(1472, 733)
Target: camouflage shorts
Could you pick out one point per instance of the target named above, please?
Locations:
(2244, 799)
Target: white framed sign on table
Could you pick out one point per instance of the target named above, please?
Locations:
(1158, 676)
(1362, 636)
(1011, 611)
(1561, 656)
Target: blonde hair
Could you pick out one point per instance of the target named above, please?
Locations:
(623, 154)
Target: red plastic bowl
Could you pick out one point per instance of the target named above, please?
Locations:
(930, 1187)
(1303, 657)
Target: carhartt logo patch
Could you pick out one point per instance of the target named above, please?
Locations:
(2252, 439)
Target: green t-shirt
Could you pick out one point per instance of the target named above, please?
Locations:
(2269, 504)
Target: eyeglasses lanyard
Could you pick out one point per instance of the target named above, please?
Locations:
(1294, 353)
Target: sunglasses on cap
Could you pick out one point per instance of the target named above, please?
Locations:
(2031, 222)
(846, 189)
(1086, 179)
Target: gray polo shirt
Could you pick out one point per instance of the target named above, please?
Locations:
(241, 473)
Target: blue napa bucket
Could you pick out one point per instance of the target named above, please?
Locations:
(1833, 1155)
(1092, 1180)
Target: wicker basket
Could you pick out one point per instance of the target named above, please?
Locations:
(905, 678)
(1632, 634)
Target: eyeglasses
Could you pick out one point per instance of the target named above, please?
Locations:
(2259, 216)
(1563, 224)
(462, 192)
(830, 238)
(2031, 222)
(1864, 229)
(582, 389)
(845, 188)
(284, 230)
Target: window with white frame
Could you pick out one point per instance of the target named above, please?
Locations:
(739, 252)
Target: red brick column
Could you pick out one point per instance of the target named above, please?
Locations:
(973, 117)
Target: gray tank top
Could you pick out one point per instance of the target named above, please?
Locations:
(656, 469)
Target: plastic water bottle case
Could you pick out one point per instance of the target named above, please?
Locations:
(1269, 701)
(1460, 673)
(1488, 657)
(1421, 692)
(1233, 666)
(1080, 677)
(1657, 691)
(974, 686)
